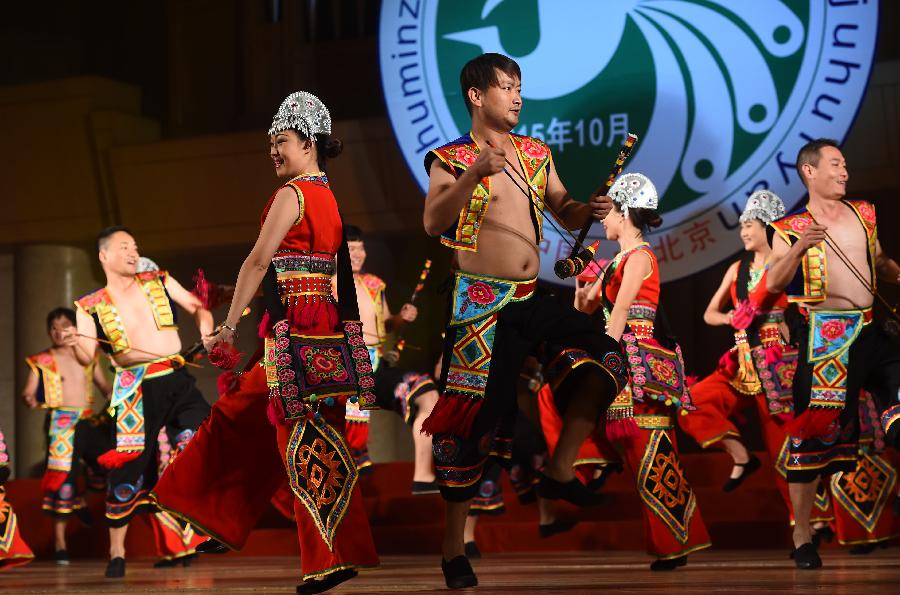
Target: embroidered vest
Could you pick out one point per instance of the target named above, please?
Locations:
(49, 392)
(809, 283)
(100, 307)
(535, 160)
(375, 287)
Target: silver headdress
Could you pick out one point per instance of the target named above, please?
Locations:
(634, 190)
(304, 112)
(763, 205)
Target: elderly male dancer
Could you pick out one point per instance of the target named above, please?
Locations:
(133, 319)
(826, 259)
(486, 199)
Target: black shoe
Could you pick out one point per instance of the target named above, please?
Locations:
(472, 551)
(572, 491)
(750, 467)
(669, 564)
(212, 546)
(62, 557)
(806, 557)
(557, 526)
(863, 549)
(172, 562)
(84, 517)
(420, 488)
(458, 573)
(330, 581)
(821, 534)
(115, 568)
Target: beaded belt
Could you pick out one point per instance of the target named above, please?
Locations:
(769, 334)
(299, 262)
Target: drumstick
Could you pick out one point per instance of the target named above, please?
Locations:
(156, 355)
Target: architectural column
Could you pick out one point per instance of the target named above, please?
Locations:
(45, 277)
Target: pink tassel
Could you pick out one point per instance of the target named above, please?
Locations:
(743, 315)
(621, 429)
(275, 412)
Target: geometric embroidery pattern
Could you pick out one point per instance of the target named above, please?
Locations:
(62, 439)
(321, 473)
(663, 487)
(130, 422)
(831, 334)
(864, 492)
(470, 360)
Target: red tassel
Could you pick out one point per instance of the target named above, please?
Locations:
(264, 326)
(774, 353)
(113, 459)
(452, 414)
(227, 382)
(621, 429)
(225, 356)
(815, 422)
(53, 480)
(691, 380)
(275, 412)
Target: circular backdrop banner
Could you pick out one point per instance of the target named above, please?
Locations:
(722, 94)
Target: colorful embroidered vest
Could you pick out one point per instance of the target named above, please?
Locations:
(49, 392)
(809, 284)
(375, 287)
(100, 307)
(535, 160)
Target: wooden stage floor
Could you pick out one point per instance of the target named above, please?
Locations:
(576, 572)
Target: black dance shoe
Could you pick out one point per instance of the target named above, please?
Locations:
(115, 568)
(172, 562)
(212, 546)
(806, 557)
(821, 534)
(472, 551)
(458, 573)
(61, 557)
(750, 467)
(557, 526)
(572, 491)
(670, 564)
(329, 582)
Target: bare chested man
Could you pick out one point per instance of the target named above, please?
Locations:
(61, 384)
(411, 394)
(486, 200)
(826, 259)
(133, 319)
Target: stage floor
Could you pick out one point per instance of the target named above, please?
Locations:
(625, 572)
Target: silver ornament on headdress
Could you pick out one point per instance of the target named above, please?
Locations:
(763, 205)
(635, 191)
(145, 265)
(303, 112)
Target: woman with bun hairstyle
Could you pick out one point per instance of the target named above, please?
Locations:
(641, 419)
(285, 413)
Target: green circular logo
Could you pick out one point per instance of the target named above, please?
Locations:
(721, 93)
